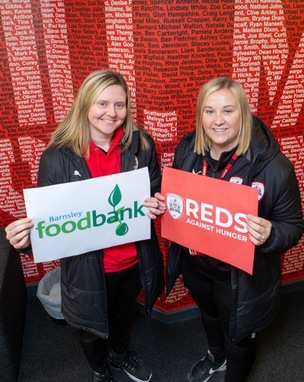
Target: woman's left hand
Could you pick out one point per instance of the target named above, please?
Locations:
(156, 205)
(259, 229)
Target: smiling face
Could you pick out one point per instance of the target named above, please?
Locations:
(107, 113)
(221, 119)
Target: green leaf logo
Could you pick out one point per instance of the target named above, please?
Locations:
(121, 229)
(115, 196)
(114, 199)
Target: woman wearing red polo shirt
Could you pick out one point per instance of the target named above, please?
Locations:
(98, 137)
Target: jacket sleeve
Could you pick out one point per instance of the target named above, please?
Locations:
(179, 153)
(154, 169)
(184, 156)
(285, 211)
(47, 174)
(173, 266)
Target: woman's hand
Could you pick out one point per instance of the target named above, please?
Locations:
(156, 205)
(18, 233)
(259, 229)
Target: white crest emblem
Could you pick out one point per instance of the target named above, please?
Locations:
(175, 205)
(260, 187)
(236, 179)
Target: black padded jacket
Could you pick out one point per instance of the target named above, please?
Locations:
(256, 297)
(83, 290)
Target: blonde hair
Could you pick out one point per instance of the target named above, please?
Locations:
(74, 131)
(202, 141)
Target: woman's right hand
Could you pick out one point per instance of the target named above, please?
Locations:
(18, 233)
(156, 205)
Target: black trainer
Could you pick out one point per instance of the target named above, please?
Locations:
(133, 366)
(105, 377)
(202, 370)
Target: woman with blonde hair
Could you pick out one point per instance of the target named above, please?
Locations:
(98, 137)
(231, 144)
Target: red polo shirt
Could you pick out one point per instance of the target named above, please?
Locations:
(103, 163)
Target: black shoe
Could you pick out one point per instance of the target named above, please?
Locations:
(202, 370)
(106, 377)
(133, 366)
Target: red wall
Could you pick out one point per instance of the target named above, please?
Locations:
(166, 49)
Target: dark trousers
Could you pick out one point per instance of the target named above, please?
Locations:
(122, 290)
(214, 297)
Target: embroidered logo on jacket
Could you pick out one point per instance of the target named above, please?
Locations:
(76, 173)
(236, 179)
(261, 189)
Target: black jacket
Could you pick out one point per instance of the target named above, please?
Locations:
(83, 291)
(256, 297)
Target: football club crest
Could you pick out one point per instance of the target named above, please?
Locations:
(236, 180)
(175, 205)
(260, 187)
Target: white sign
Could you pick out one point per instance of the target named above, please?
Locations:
(77, 217)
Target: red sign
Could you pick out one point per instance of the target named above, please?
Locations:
(208, 216)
